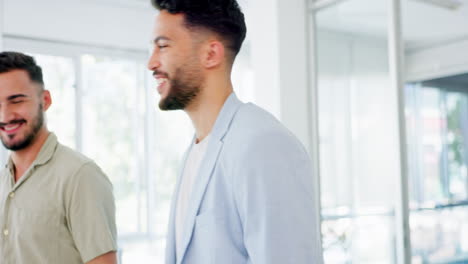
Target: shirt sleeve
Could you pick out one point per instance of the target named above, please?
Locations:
(274, 196)
(91, 212)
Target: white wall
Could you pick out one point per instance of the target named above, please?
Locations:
(278, 33)
(264, 36)
(84, 22)
(437, 61)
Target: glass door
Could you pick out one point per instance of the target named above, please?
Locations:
(358, 130)
(392, 139)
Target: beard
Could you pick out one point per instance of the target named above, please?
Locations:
(29, 135)
(183, 88)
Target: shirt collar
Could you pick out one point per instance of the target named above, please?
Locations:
(47, 150)
(44, 155)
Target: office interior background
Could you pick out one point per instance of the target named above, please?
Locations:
(377, 90)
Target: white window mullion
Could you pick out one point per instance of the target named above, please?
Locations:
(78, 103)
(314, 142)
(395, 49)
(149, 153)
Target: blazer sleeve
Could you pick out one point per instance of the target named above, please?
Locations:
(274, 197)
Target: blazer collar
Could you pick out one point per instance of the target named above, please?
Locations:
(220, 128)
(225, 117)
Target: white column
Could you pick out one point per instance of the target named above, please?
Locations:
(279, 37)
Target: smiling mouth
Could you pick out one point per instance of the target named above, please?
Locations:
(160, 83)
(11, 127)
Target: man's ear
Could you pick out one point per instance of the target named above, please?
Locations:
(46, 99)
(214, 54)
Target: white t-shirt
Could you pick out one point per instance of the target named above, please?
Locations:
(191, 168)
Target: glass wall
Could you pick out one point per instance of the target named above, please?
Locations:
(358, 133)
(435, 37)
(437, 117)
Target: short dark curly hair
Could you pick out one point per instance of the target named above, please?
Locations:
(10, 61)
(223, 17)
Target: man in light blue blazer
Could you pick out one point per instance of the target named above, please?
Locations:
(245, 193)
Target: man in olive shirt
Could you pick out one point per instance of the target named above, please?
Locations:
(56, 206)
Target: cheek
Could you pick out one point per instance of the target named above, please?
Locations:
(29, 111)
(19, 109)
(172, 60)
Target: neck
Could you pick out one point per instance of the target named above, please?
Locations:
(206, 107)
(22, 159)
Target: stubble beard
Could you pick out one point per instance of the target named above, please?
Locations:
(184, 88)
(29, 136)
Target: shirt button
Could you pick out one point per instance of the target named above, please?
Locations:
(5, 232)
(12, 194)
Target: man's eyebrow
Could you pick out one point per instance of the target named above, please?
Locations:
(157, 39)
(16, 96)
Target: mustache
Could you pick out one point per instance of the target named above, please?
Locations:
(12, 122)
(160, 73)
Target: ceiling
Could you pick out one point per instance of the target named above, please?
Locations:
(144, 3)
(423, 24)
(135, 4)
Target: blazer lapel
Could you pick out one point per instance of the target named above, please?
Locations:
(215, 145)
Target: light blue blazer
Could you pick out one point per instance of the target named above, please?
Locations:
(252, 201)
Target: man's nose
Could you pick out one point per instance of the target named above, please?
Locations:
(153, 62)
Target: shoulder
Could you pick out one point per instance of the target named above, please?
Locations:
(82, 178)
(72, 158)
(73, 165)
(254, 130)
(257, 147)
(260, 155)
(251, 114)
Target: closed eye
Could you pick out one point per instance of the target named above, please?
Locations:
(17, 98)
